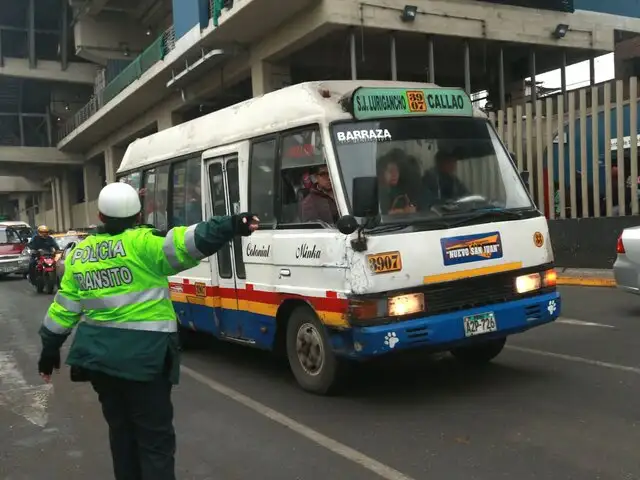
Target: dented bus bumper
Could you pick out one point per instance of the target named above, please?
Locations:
(444, 331)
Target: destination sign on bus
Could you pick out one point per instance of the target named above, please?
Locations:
(368, 103)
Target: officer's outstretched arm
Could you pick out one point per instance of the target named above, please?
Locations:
(63, 314)
(183, 247)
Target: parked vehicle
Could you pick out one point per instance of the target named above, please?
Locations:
(44, 276)
(626, 268)
(12, 244)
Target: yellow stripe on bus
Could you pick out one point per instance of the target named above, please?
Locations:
(331, 319)
(474, 272)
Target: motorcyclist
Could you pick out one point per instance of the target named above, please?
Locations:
(41, 241)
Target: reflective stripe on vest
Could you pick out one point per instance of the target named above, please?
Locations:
(125, 299)
(163, 326)
(71, 305)
(169, 247)
(54, 327)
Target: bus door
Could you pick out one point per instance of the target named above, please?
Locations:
(229, 269)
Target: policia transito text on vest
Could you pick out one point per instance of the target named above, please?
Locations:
(127, 343)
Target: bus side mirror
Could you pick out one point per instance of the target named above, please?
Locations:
(524, 175)
(347, 224)
(365, 196)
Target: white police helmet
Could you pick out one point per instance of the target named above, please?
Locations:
(119, 200)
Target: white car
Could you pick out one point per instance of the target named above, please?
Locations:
(626, 268)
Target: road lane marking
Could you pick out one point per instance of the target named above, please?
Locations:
(28, 401)
(581, 323)
(316, 437)
(572, 358)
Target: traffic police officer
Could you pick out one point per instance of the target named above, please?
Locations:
(127, 343)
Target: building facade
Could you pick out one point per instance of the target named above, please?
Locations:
(152, 64)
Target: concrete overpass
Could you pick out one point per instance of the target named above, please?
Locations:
(169, 61)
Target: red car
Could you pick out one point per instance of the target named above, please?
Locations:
(12, 243)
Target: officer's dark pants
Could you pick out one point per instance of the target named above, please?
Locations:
(140, 418)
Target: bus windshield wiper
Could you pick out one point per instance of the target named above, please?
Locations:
(393, 227)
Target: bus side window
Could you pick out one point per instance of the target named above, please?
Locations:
(147, 194)
(262, 180)
(186, 200)
(302, 154)
(233, 179)
(219, 203)
(178, 194)
(193, 199)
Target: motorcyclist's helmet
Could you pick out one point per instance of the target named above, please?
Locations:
(119, 200)
(43, 230)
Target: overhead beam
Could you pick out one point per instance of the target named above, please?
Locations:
(39, 156)
(95, 7)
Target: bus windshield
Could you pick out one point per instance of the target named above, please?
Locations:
(429, 167)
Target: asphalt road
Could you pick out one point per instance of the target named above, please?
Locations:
(560, 403)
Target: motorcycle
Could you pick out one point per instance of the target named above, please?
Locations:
(44, 273)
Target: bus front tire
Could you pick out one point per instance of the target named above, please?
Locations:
(311, 358)
(480, 353)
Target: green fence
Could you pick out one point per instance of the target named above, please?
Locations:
(216, 10)
(152, 55)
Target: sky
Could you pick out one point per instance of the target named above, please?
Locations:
(578, 74)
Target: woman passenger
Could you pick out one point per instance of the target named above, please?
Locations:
(394, 199)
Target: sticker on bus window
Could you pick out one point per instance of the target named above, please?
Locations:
(471, 248)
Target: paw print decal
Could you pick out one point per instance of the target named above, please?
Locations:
(391, 339)
(552, 307)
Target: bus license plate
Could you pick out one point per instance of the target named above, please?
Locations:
(479, 324)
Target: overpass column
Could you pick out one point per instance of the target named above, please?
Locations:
(23, 215)
(65, 199)
(92, 187)
(267, 77)
(168, 120)
(57, 205)
(112, 159)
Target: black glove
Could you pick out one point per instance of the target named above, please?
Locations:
(242, 222)
(48, 361)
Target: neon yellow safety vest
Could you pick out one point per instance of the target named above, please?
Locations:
(115, 289)
(120, 281)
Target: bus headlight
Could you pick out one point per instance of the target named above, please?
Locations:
(405, 304)
(528, 283)
(536, 281)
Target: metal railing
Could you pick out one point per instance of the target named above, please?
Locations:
(215, 9)
(572, 157)
(154, 53)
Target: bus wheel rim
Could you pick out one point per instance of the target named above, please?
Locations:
(310, 349)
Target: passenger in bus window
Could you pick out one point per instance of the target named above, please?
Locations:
(194, 205)
(320, 204)
(394, 197)
(442, 180)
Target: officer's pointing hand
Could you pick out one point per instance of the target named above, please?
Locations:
(245, 224)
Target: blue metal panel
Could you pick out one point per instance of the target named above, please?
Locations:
(602, 179)
(627, 8)
(189, 13)
(237, 323)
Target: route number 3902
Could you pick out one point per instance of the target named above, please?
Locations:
(385, 262)
(417, 102)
